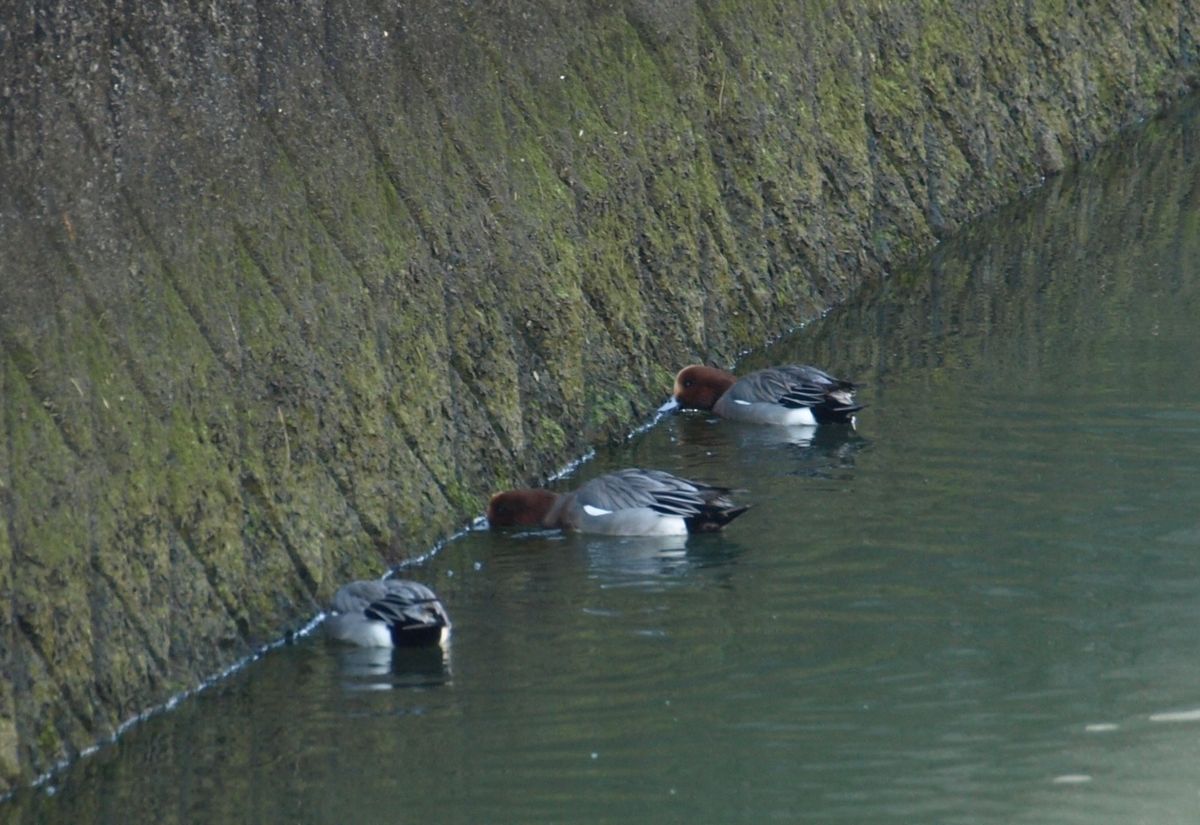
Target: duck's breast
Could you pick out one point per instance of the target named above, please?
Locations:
(630, 521)
(358, 630)
(763, 412)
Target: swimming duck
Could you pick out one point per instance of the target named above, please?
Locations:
(788, 395)
(625, 503)
(388, 613)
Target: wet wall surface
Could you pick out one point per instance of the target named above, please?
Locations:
(285, 292)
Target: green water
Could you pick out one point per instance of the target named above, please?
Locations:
(983, 607)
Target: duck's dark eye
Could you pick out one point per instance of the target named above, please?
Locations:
(688, 382)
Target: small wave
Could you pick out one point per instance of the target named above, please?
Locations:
(1177, 716)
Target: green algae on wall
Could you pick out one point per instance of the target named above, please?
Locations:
(286, 293)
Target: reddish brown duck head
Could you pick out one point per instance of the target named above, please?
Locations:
(520, 508)
(698, 387)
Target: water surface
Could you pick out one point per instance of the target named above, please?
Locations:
(981, 607)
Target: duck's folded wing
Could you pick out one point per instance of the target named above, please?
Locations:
(397, 609)
(408, 589)
(355, 596)
(794, 387)
(633, 489)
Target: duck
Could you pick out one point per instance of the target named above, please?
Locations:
(631, 502)
(388, 613)
(791, 395)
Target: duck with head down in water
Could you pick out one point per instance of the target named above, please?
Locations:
(789, 395)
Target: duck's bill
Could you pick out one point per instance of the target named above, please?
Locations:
(671, 406)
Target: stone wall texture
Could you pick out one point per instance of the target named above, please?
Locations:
(287, 289)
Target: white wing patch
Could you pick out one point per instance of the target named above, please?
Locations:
(740, 401)
(596, 511)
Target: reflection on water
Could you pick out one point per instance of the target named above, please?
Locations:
(654, 562)
(381, 668)
(636, 560)
(828, 452)
(980, 607)
(651, 562)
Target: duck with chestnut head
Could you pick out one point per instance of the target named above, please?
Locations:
(632, 502)
(789, 395)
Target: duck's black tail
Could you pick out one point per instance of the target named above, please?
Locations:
(411, 618)
(835, 412)
(712, 518)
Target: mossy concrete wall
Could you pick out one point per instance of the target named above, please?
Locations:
(287, 289)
